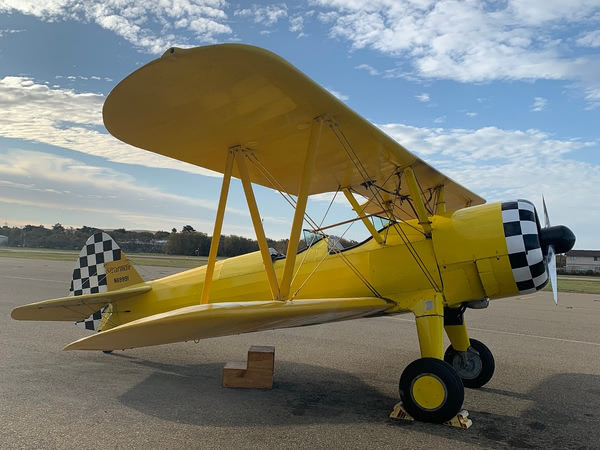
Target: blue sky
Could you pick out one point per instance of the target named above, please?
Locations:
(502, 96)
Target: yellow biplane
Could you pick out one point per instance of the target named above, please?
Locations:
(435, 248)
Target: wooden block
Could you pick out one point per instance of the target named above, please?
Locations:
(261, 358)
(240, 378)
(257, 373)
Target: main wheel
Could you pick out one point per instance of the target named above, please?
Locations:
(431, 390)
(476, 368)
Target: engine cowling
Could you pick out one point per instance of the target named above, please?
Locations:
(494, 250)
(522, 234)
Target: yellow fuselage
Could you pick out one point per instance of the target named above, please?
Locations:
(466, 258)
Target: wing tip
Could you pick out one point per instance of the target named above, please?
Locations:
(19, 313)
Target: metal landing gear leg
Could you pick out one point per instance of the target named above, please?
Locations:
(471, 359)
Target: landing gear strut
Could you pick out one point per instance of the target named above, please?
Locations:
(430, 389)
(471, 359)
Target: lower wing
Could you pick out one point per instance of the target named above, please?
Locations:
(223, 319)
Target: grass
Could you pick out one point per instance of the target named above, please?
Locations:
(580, 286)
(136, 258)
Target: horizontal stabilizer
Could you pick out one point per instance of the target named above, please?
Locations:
(224, 319)
(74, 307)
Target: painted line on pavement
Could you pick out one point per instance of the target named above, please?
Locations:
(514, 334)
(33, 279)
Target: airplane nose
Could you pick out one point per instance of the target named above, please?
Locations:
(559, 236)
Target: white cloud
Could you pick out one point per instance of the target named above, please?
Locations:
(471, 114)
(471, 41)
(539, 104)
(149, 25)
(70, 191)
(422, 97)
(68, 119)
(440, 119)
(327, 17)
(370, 70)
(507, 164)
(264, 15)
(482, 144)
(590, 39)
(6, 32)
(338, 94)
(296, 23)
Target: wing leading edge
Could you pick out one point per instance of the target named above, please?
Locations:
(223, 319)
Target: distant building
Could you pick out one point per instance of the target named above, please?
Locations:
(583, 261)
(3, 240)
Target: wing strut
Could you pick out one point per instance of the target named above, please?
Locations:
(309, 165)
(440, 206)
(258, 228)
(216, 236)
(356, 207)
(418, 201)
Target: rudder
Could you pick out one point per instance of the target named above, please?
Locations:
(101, 267)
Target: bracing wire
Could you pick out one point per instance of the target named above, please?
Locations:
(368, 184)
(279, 188)
(310, 248)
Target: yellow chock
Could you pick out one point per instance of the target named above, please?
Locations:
(400, 413)
(461, 420)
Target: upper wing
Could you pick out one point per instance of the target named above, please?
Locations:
(193, 104)
(223, 319)
(75, 307)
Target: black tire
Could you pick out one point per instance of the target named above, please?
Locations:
(108, 352)
(478, 371)
(426, 372)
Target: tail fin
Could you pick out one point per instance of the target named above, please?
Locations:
(101, 267)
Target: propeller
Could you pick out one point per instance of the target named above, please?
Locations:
(554, 239)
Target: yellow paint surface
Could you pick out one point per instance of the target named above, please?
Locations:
(428, 392)
(194, 104)
(121, 274)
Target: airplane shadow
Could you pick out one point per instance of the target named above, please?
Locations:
(560, 412)
(301, 394)
(563, 412)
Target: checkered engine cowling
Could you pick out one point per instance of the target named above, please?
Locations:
(521, 230)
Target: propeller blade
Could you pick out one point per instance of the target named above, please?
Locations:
(546, 217)
(552, 272)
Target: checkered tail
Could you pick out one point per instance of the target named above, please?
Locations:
(89, 275)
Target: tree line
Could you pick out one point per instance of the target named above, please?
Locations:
(188, 241)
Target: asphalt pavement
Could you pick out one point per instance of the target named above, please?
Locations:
(334, 385)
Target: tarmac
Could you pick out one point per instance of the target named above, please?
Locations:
(334, 385)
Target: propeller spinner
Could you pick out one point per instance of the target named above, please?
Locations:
(554, 239)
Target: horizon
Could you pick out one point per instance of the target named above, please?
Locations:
(502, 98)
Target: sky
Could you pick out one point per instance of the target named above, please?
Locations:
(504, 97)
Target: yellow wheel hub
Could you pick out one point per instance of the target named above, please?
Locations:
(428, 392)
